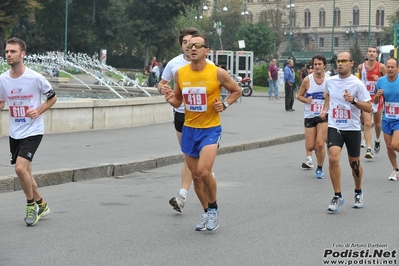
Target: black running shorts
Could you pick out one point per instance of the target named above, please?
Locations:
(24, 148)
(352, 140)
(178, 121)
(312, 122)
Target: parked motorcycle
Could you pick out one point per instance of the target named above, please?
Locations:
(246, 86)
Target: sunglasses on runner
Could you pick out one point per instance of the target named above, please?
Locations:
(197, 45)
(343, 61)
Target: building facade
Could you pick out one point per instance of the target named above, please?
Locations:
(328, 25)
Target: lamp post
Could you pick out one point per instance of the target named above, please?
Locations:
(204, 8)
(66, 30)
(216, 24)
(333, 28)
(290, 6)
(369, 22)
(198, 16)
(351, 32)
(245, 12)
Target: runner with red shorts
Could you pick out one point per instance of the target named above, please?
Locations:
(370, 71)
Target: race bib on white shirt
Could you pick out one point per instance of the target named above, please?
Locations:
(316, 106)
(18, 110)
(340, 114)
(370, 86)
(392, 110)
(195, 99)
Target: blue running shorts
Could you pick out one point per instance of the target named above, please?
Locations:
(389, 126)
(194, 139)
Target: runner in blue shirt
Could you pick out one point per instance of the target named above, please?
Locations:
(388, 87)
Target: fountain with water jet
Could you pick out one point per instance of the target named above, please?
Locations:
(81, 62)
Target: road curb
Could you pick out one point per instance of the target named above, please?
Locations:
(62, 176)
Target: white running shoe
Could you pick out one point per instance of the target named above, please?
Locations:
(201, 226)
(358, 201)
(335, 203)
(307, 164)
(177, 203)
(363, 145)
(394, 176)
(369, 154)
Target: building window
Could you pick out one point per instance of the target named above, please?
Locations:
(307, 18)
(321, 42)
(307, 42)
(322, 18)
(336, 42)
(356, 16)
(337, 21)
(292, 21)
(380, 18)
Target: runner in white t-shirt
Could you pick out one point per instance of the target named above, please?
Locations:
(22, 89)
(346, 96)
(172, 66)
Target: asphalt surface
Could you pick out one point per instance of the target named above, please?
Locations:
(272, 211)
(250, 123)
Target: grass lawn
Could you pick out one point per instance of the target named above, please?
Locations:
(261, 88)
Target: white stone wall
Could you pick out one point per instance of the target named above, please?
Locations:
(87, 114)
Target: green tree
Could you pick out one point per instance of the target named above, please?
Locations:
(261, 75)
(357, 55)
(230, 20)
(92, 25)
(258, 38)
(153, 22)
(273, 15)
(10, 13)
(387, 33)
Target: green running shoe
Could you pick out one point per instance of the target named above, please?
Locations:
(32, 214)
(44, 209)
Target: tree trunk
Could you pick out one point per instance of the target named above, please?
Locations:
(147, 51)
(93, 14)
(1, 42)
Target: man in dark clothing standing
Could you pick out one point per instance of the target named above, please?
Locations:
(289, 80)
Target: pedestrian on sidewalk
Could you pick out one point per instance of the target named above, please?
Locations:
(346, 96)
(22, 89)
(273, 79)
(164, 86)
(199, 84)
(289, 86)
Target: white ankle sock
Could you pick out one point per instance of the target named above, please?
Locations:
(183, 192)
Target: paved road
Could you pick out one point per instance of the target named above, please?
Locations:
(253, 122)
(272, 213)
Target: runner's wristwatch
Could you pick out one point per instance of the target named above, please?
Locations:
(225, 105)
(354, 101)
